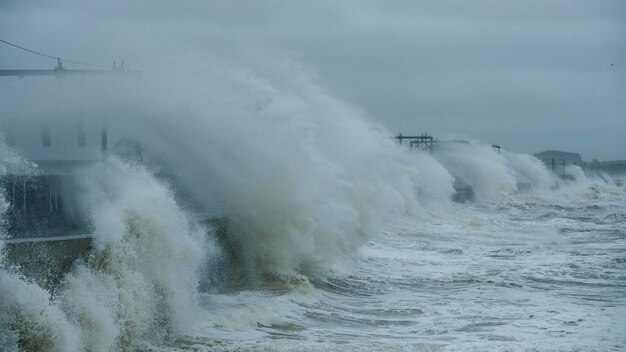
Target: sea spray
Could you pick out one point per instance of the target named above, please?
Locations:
(140, 282)
(575, 182)
(479, 166)
(492, 174)
(291, 209)
(304, 179)
(527, 168)
(576, 173)
(434, 184)
(29, 320)
(308, 181)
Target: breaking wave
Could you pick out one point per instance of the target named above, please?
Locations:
(138, 284)
(304, 180)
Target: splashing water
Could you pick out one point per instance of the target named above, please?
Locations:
(138, 284)
(338, 232)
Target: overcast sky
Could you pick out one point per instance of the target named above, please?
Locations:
(528, 75)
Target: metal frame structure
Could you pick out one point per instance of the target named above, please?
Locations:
(418, 142)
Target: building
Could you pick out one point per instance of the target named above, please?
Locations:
(560, 157)
(44, 204)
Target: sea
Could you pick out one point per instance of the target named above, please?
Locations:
(331, 236)
(532, 272)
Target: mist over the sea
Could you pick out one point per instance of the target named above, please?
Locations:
(245, 191)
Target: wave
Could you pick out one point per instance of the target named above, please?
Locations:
(138, 285)
(304, 180)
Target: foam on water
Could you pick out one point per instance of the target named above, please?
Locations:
(523, 277)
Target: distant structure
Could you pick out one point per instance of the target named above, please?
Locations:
(58, 146)
(60, 70)
(43, 205)
(423, 141)
(463, 192)
(46, 226)
(612, 167)
(558, 160)
(568, 157)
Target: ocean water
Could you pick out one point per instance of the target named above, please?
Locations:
(338, 238)
(541, 271)
(531, 272)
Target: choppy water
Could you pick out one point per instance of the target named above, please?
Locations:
(543, 270)
(338, 238)
(530, 272)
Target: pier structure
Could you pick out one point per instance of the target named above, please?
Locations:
(423, 141)
(60, 70)
(463, 192)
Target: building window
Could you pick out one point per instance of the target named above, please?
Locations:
(45, 136)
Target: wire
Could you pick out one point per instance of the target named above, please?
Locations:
(31, 51)
(51, 57)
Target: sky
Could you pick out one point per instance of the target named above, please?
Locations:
(528, 75)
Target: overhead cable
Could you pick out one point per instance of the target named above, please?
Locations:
(50, 56)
